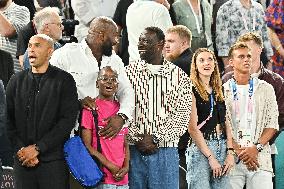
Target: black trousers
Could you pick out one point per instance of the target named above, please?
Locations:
(46, 175)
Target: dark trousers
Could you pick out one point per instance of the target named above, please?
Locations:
(46, 175)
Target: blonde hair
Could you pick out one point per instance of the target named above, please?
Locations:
(182, 31)
(251, 36)
(236, 46)
(215, 79)
(44, 16)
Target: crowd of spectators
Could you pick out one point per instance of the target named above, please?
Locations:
(187, 24)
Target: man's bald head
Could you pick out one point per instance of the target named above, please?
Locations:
(102, 24)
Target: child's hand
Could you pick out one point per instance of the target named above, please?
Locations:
(113, 169)
(121, 173)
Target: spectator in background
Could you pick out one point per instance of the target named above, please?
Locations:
(86, 10)
(12, 19)
(234, 18)
(47, 21)
(120, 19)
(142, 14)
(177, 47)
(274, 18)
(24, 36)
(29, 4)
(50, 3)
(177, 50)
(196, 15)
(6, 66)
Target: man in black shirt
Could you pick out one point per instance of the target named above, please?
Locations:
(6, 67)
(42, 106)
(177, 50)
(177, 47)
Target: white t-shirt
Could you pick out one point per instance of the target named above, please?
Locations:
(142, 14)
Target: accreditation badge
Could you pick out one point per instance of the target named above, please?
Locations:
(244, 137)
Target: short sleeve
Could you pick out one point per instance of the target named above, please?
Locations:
(87, 121)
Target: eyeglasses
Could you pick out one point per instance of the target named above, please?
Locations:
(108, 79)
(59, 24)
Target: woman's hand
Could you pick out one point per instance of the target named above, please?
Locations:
(215, 166)
(228, 164)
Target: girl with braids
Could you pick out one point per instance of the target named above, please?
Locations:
(210, 156)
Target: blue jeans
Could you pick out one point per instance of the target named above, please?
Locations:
(156, 171)
(199, 172)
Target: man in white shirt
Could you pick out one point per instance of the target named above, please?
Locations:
(253, 115)
(86, 10)
(142, 14)
(84, 60)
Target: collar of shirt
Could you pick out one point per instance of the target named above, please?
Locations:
(238, 2)
(165, 70)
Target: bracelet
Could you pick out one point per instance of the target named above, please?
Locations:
(278, 47)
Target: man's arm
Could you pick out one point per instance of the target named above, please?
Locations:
(12, 132)
(6, 29)
(66, 117)
(13, 26)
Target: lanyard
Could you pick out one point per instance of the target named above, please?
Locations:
(196, 17)
(245, 21)
(211, 111)
(237, 103)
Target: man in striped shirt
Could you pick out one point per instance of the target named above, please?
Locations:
(161, 116)
(12, 19)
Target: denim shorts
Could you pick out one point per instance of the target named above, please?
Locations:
(156, 171)
(199, 172)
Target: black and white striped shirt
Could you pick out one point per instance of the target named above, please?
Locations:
(19, 16)
(162, 102)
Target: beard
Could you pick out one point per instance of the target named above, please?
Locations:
(107, 48)
(3, 3)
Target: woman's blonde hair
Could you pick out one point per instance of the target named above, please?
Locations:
(215, 80)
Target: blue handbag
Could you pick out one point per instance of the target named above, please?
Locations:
(81, 164)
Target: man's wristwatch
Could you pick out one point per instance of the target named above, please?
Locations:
(259, 146)
(123, 116)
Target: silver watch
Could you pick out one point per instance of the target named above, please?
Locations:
(259, 147)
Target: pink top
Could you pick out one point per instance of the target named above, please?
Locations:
(112, 149)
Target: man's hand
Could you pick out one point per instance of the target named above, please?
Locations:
(113, 127)
(27, 154)
(146, 146)
(32, 163)
(88, 103)
(248, 156)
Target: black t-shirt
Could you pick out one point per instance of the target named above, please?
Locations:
(203, 111)
(23, 38)
(120, 19)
